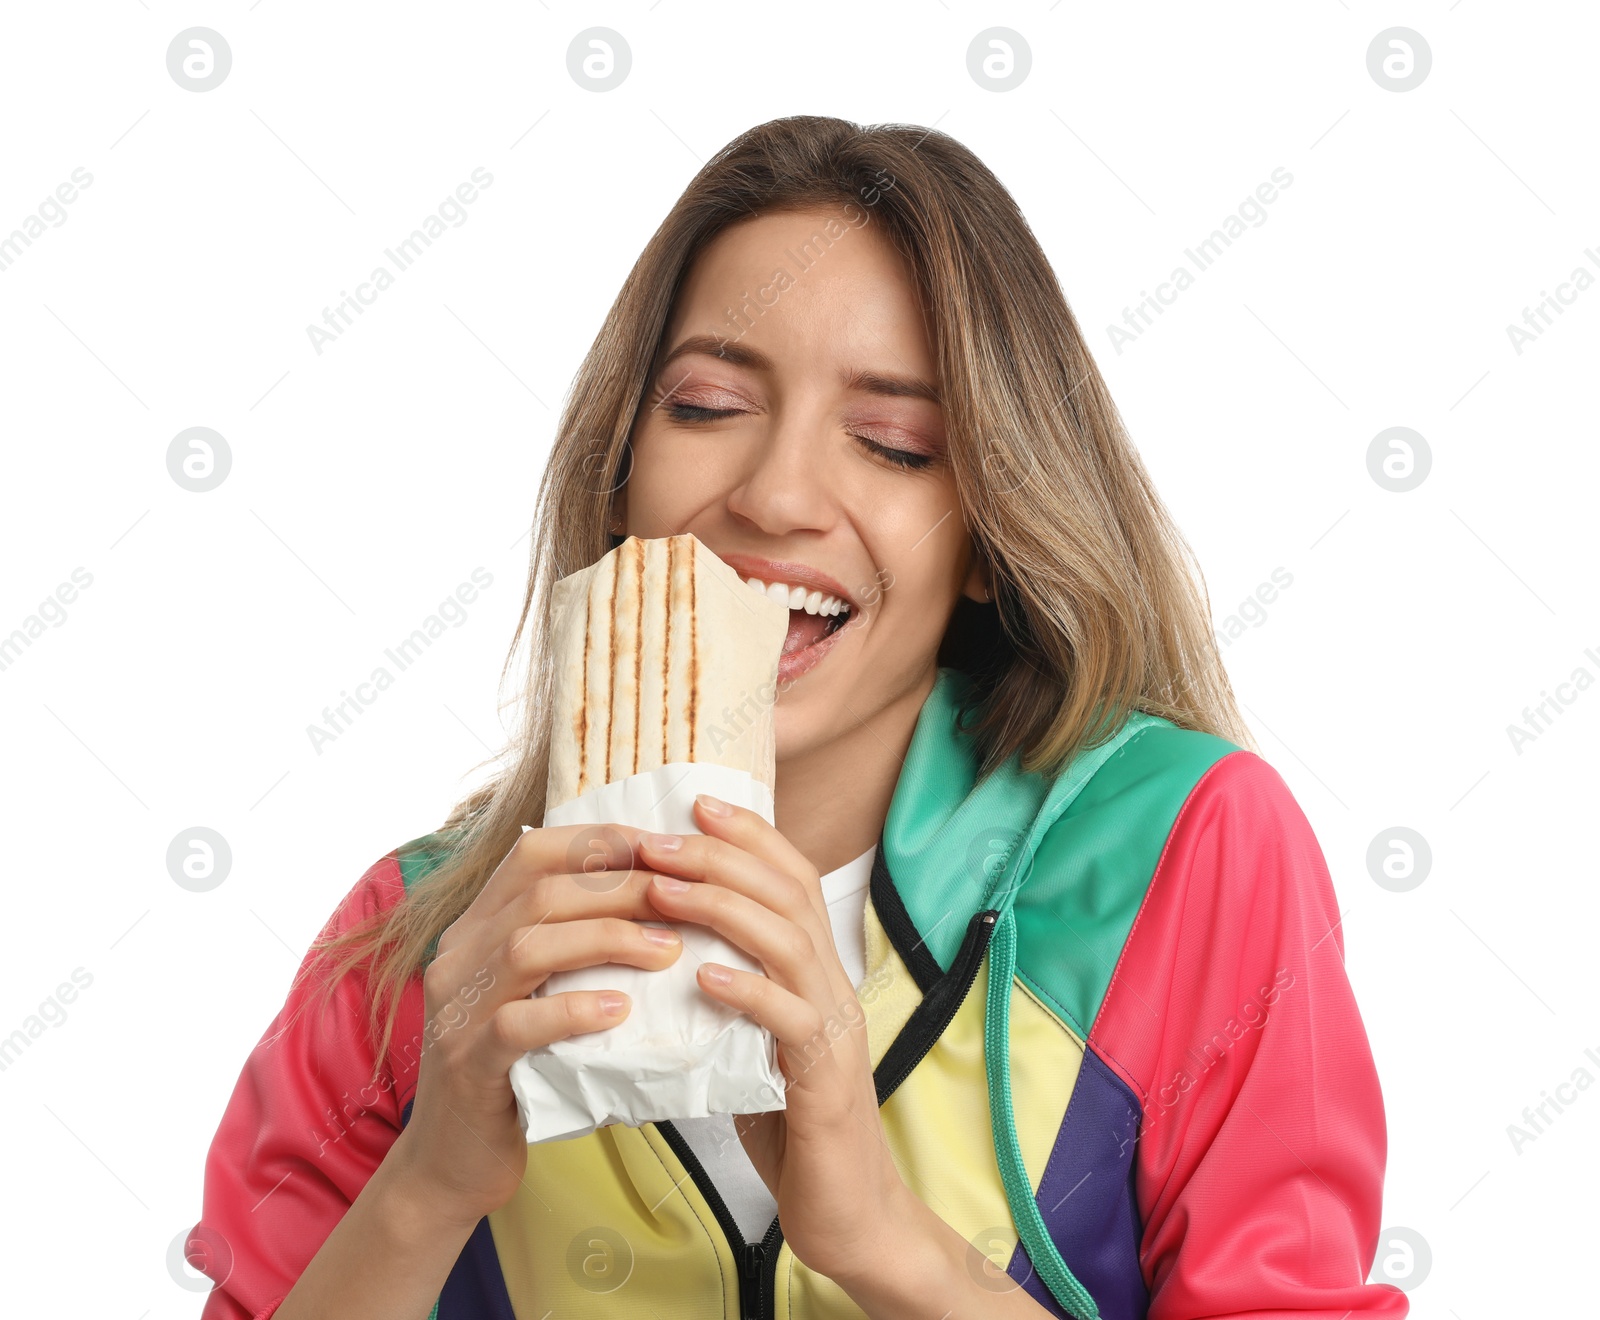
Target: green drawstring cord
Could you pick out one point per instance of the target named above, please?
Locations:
(1063, 1286)
(1035, 1237)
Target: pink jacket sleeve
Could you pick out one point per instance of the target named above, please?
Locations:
(1259, 1169)
(303, 1131)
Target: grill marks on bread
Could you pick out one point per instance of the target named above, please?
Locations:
(657, 652)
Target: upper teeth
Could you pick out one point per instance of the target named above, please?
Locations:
(798, 598)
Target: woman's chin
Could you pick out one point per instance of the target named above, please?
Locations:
(800, 729)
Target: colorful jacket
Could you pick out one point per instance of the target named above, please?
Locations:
(1109, 1020)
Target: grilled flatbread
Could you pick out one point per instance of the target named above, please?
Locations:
(663, 655)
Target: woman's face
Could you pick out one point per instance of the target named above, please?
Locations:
(794, 427)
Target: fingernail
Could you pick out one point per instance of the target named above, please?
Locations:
(713, 806)
(612, 1002)
(661, 842)
(672, 884)
(662, 935)
(717, 975)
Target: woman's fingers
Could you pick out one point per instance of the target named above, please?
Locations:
(557, 850)
(748, 830)
(752, 832)
(571, 897)
(731, 865)
(526, 1024)
(805, 1032)
(518, 1023)
(473, 940)
(786, 949)
(520, 959)
(533, 952)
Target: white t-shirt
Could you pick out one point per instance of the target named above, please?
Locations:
(713, 1138)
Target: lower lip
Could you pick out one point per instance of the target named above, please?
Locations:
(796, 663)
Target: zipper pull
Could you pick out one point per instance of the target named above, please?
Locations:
(751, 1258)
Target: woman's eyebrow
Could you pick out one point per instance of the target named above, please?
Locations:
(904, 387)
(868, 382)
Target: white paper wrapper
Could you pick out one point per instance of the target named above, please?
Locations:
(679, 1053)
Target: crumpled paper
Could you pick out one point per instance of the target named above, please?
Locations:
(678, 1053)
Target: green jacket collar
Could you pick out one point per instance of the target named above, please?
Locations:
(963, 840)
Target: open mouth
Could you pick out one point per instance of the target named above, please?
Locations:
(814, 616)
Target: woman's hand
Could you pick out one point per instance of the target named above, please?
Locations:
(846, 1211)
(823, 1157)
(563, 898)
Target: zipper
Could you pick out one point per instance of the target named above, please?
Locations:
(750, 1261)
(758, 1261)
(767, 1285)
(750, 1256)
(919, 1035)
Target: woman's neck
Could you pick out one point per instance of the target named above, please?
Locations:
(831, 801)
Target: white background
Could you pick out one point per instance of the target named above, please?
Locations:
(369, 480)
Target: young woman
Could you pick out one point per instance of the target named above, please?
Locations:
(1052, 958)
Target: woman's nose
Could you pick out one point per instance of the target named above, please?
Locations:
(790, 484)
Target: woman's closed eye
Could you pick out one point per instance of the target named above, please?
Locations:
(910, 459)
(693, 412)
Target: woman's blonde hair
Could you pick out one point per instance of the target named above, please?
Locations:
(1098, 609)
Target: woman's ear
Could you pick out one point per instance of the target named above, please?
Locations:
(979, 585)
